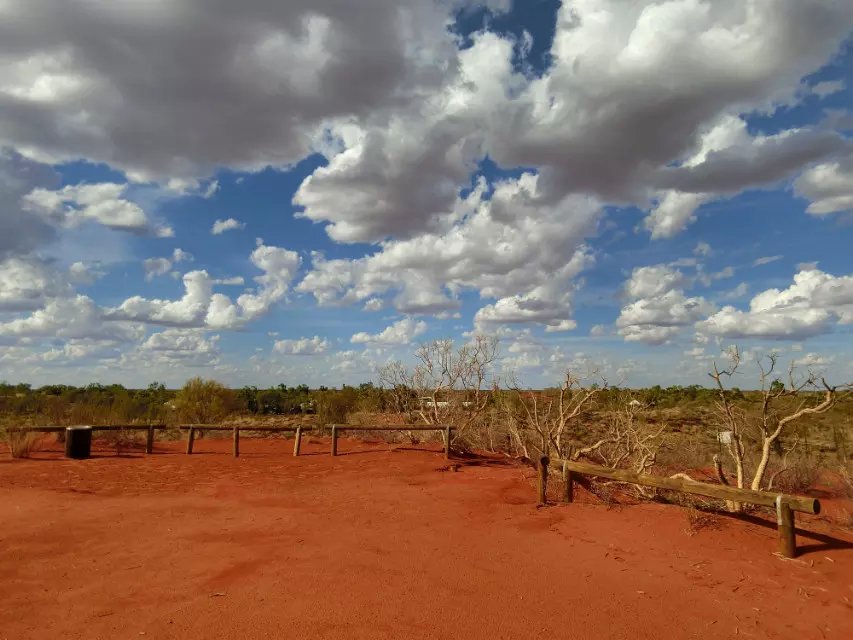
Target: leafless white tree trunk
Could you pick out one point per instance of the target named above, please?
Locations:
(448, 385)
(815, 394)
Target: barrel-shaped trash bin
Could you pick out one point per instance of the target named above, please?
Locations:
(78, 442)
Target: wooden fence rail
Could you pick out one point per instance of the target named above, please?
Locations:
(444, 429)
(236, 429)
(191, 430)
(785, 505)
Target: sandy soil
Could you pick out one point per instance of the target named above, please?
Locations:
(381, 543)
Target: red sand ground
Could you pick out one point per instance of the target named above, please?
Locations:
(381, 544)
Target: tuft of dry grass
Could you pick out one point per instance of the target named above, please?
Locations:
(846, 479)
(699, 520)
(22, 443)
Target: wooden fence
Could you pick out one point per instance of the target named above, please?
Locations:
(193, 429)
(441, 428)
(785, 505)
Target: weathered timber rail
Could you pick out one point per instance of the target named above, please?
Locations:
(444, 429)
(194, 429)
(785, 505)
(191, 430)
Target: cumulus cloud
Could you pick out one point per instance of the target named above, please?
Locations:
(658, 309)
(625, 113)
(302, 346)
(221, 226)
(25, 284)
(400, 333)
(285, 68)
(103, 203)
(811, 306)
(155, 267)
(514, 247)
(828, 187)
(69, 318)
(727, 161)
(82, 273)
(621, 105)
(20, 231)
(201, 307)
(178, 347)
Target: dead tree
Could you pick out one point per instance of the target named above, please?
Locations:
(448, 385)
(762, 436)
(543, 419)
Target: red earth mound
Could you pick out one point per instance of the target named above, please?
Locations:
(382, 542)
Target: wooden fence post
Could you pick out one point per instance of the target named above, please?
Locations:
(149, 442)
(190, 439)
(543, 479)
(447, 443)
(569, 496)
(297, 441)
(787, 531)
(334, 439)
(236, 442)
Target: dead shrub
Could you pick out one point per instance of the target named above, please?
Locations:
(699, 520)
(846, 480)
(798, 477)
(22, 443)
(605, 491)
(123, 440)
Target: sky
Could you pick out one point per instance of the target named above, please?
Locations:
(274, 193)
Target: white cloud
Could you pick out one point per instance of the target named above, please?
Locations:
(178, 348)
(68, 318)
(739, 291)
(521, 251)
(25, 284)
(807, 266)
(649, 282)
(728, 160)
(765, 260)
(103, 203)
(827, 88)
(811, 306)
(374, 304)
(155, 267)
(598, 330)
(284, 68)
(221, 226)
(82, 273)
(201, 307)
(400, 333)
(659, 310)
(829, 187)
(179, 255)
(20, 231)
(703, 249)
(302, 346)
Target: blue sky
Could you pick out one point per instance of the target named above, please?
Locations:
(306, 192)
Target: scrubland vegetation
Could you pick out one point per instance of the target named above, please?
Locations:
(792, 432)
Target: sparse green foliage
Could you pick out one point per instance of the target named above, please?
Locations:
(203, 401)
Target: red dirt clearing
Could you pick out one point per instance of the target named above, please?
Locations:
(381, 544)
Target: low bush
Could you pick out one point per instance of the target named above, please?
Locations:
(22, 443)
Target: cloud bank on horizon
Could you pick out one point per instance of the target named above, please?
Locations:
(270, 192)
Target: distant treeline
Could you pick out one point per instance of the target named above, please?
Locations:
(97, 403)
